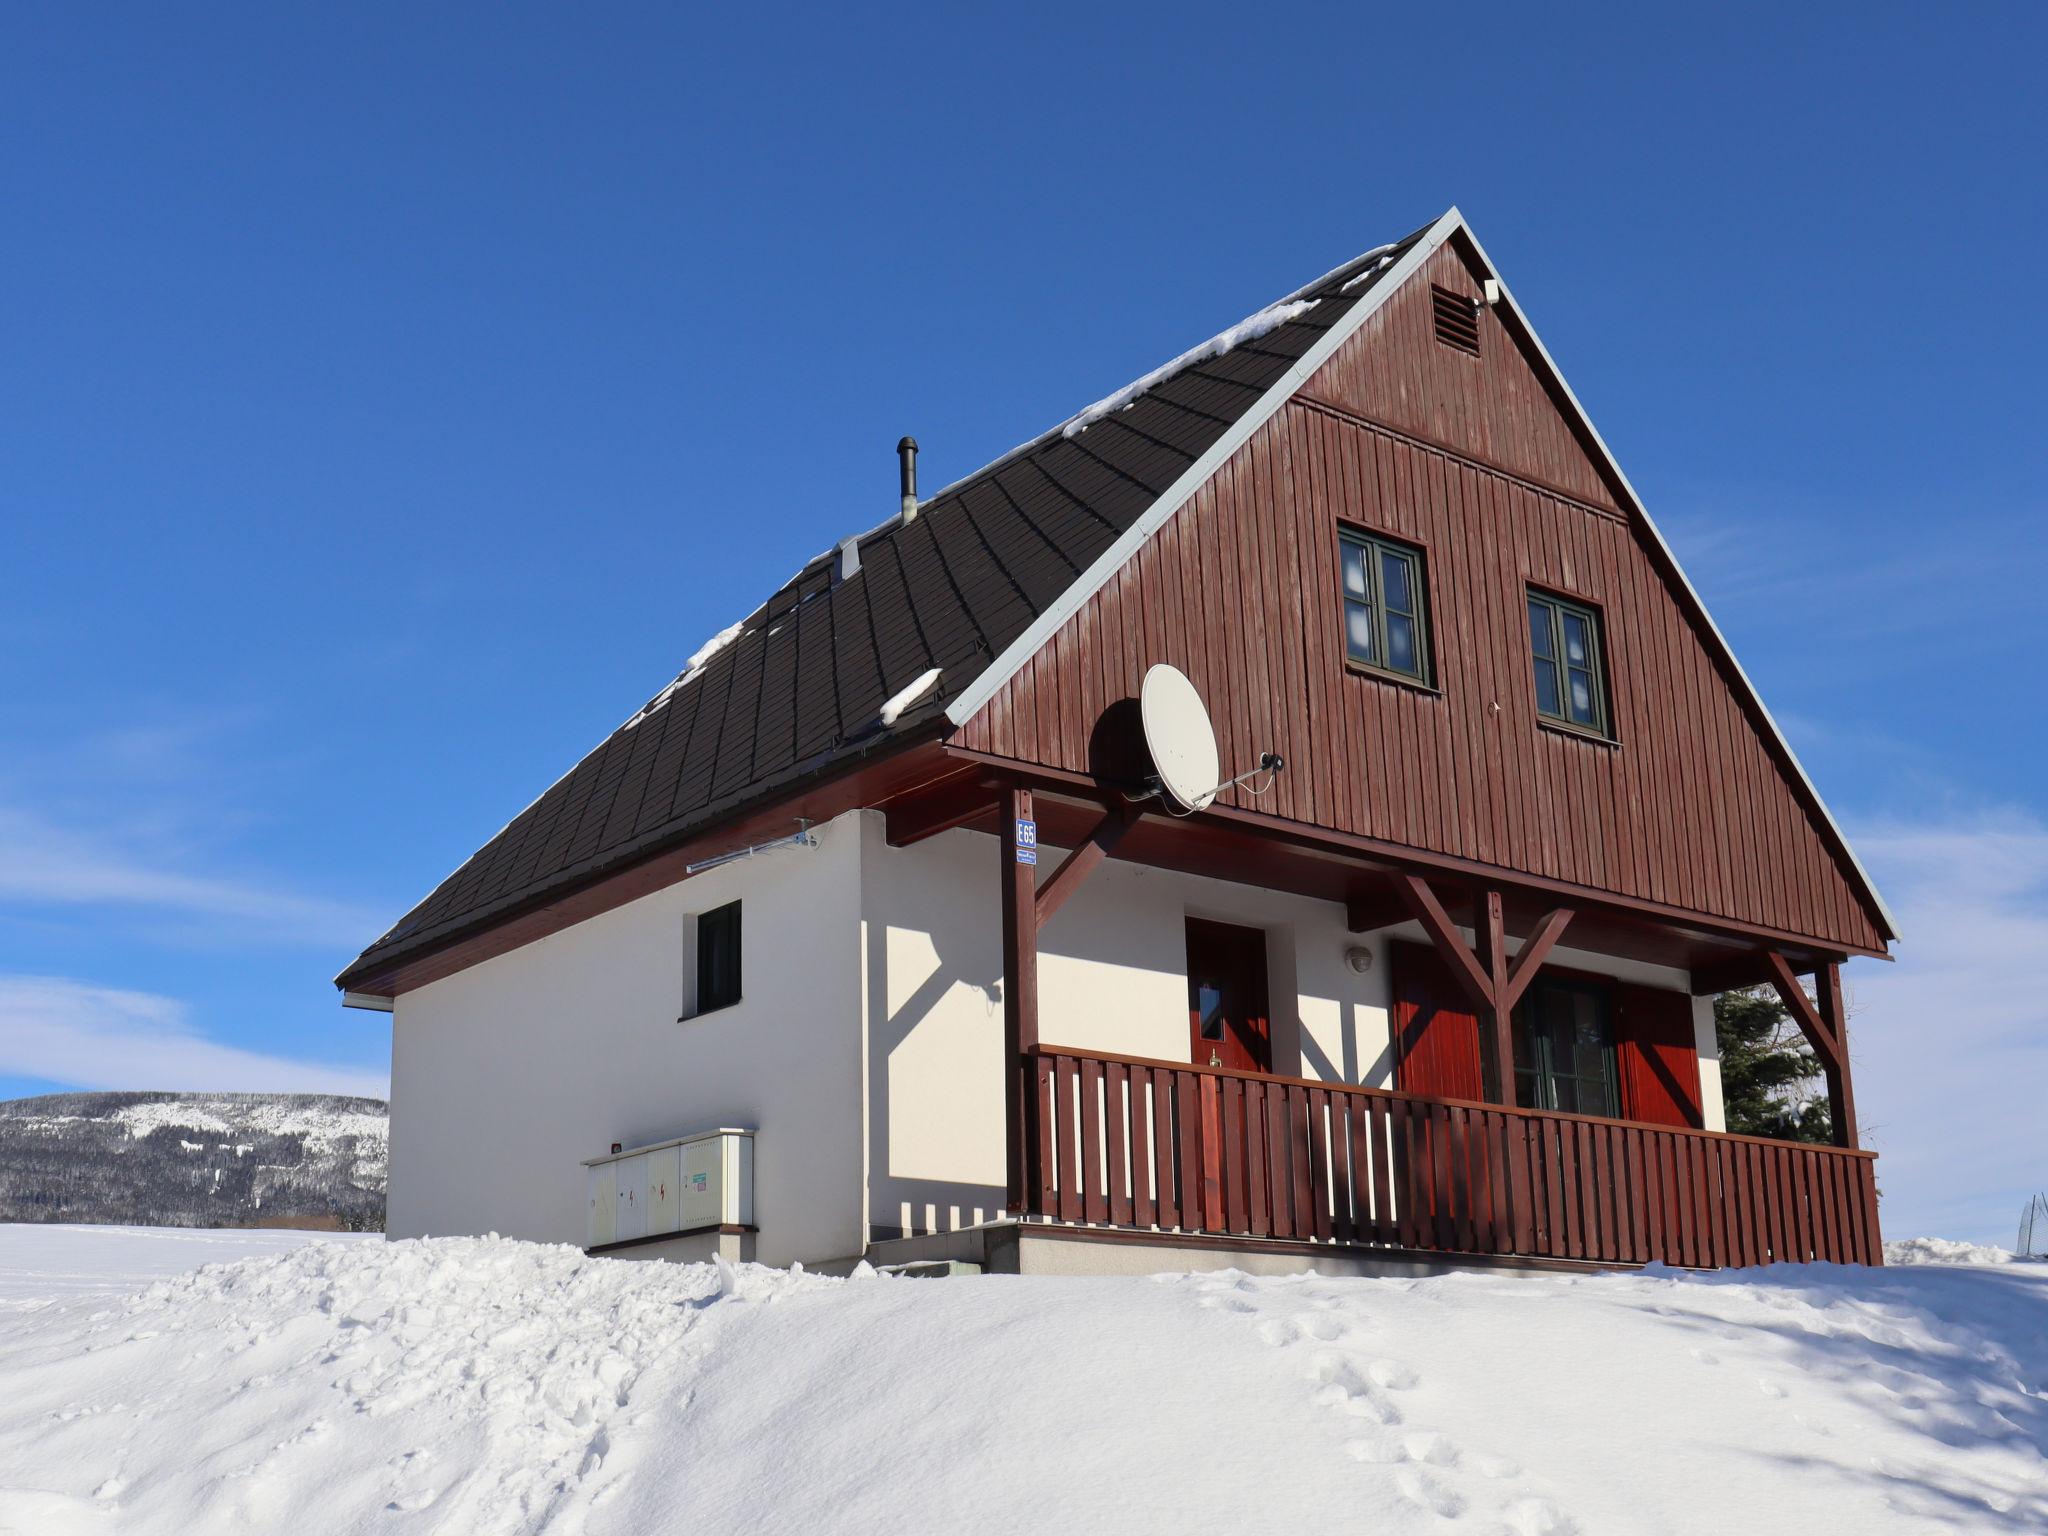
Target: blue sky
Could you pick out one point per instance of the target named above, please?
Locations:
(391, 400)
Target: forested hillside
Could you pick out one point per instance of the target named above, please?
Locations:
(193, 1159)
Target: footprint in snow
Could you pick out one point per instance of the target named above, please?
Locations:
(1769, 1388)
(1539, 1517)
(1392, 1375)
(1430, 1448)
(1706, 1357)
(1420, 1488)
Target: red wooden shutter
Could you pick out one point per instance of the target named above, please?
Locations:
(1436, 1031)
(1658, 1055)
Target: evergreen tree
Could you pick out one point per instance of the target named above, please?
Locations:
(1770, 1079)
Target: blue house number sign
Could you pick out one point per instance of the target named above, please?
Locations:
(1027, 840)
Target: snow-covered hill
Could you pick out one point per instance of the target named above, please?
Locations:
(192, 1159)
(487, 1388)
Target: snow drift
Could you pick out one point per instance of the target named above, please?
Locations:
(485, 1386)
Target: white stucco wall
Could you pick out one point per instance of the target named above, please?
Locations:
(506, 1075)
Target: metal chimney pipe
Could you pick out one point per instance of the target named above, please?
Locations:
(906, 458)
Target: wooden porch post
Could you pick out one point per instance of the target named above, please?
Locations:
(1020, 986)
(1490, 929)
(1834, 1014)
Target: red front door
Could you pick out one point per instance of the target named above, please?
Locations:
(1227, 996)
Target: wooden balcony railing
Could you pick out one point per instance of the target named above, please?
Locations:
(1155, 1144)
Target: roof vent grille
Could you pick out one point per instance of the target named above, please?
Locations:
(1457, 319)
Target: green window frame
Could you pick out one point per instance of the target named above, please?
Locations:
(1570, 665)
(1385, 598)
(1564, 1050)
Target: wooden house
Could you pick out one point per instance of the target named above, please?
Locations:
(870, 933)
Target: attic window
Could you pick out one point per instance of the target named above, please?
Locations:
(1457, 319)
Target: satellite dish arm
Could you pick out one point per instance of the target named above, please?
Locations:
(1271, 764)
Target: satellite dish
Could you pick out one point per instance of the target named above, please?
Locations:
(1180, 738)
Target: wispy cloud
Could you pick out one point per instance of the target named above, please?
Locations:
(67, 1031)
(1950, 1043)
(45, 864)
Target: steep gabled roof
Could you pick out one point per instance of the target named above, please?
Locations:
(796, 691)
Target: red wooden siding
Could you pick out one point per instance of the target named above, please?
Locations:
(1692, 809)
(1436, 1033)
(1658, 1056)
(1494, 407)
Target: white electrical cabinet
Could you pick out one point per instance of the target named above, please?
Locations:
(689, 1184)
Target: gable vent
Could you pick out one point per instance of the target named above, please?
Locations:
(1457, 319)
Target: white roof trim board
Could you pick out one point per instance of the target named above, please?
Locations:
(1040, 632)
(1112, 560)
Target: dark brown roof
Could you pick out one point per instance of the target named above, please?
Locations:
(798, 694)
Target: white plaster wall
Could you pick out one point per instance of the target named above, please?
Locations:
(1713, 1108)
(506, 1075)
(1112, 977)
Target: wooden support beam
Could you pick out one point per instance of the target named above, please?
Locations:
(1834, 1012)
(1366, 910)
(1443, 933)
(1081, 863)
(1803, 1012)
(1019, 874)
(952, 805)
(1535, 949)
(1490, 925)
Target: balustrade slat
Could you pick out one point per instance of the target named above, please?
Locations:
(1116, 1109)
(1235, 1216)
(1353, 1173)
(1827, 1239)
(1300, 1156)
(1521, 1234)
(1380, 1150)
(1188, 1121)
(1095, 1196)
(1067, 1102)
(1258, 1155)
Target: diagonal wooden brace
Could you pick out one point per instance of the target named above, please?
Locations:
(1078, 865)
(1534, 951)
(1804, 1013)
(1470, 972)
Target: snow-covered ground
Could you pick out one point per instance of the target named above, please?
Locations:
(483, 1386)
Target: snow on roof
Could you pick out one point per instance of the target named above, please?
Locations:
(1251, 328)
(918, 687)
(691, 668)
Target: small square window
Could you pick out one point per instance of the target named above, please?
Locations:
(718, 958)
(1386, 620)
(1571, 673)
